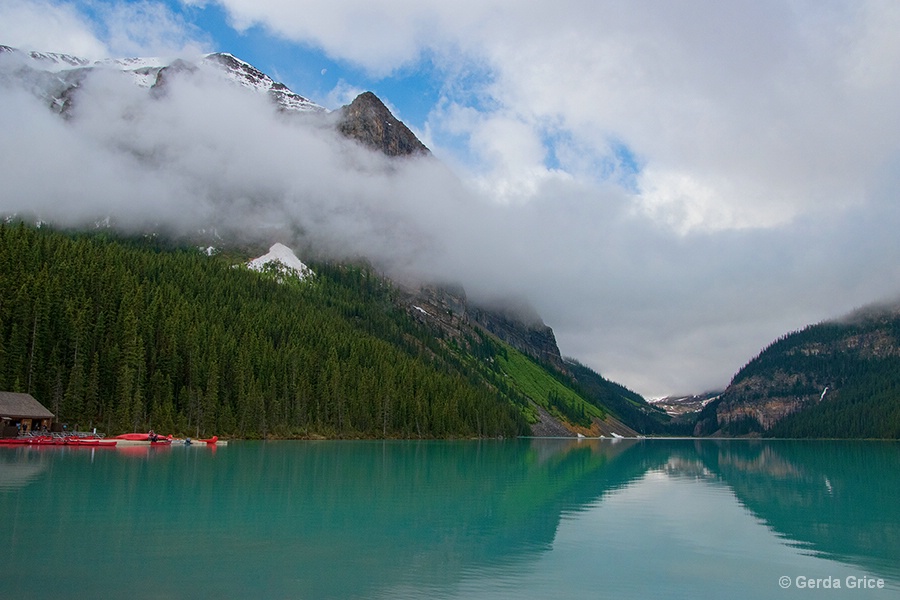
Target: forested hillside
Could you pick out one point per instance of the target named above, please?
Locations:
(127, 335)
(837, 379)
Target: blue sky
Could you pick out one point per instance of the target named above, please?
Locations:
(412, 89)
(308, 70)
(635, 157)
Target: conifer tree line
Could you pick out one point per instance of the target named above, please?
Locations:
(127, 335)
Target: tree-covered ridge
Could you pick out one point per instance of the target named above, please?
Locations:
(838, 379)
(125, 336)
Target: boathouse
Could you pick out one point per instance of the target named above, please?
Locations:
(21, 413)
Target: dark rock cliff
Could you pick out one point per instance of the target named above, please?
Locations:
(526, 333)
(369, 121)
(448, 308)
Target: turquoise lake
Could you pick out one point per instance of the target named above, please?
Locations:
(514, 519)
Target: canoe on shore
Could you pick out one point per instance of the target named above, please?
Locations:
(90, 442)
(145, 442)
(47, 440)
(213, 441)
(141, 437)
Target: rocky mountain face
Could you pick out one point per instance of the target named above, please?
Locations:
(823, 368)
(525, 333)
(448, 308)
(369, 121)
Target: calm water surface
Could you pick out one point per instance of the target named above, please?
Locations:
(489, 519)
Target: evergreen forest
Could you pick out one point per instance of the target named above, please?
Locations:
(131, 334)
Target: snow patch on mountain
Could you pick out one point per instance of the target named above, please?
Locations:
(246, 75)
(281, 261)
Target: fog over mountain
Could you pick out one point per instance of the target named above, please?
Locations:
(631, 282)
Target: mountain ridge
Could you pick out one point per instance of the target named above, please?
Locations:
(837, 378)
(68, 73)
(366, 119)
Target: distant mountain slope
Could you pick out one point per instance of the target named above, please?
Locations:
(520, 347)
(834, 379)
(626, 405)
(57, 79)
(449, 309)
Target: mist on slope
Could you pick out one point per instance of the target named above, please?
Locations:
(655, 310)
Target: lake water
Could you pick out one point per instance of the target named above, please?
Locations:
(462, 519)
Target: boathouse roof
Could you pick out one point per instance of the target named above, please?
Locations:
(22, 406)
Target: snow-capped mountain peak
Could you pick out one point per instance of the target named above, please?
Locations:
(66, 73)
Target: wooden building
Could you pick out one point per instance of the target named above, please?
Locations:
(22, 413)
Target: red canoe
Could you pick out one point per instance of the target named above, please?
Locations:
(46, 440)
(74, 441)
(143, 437)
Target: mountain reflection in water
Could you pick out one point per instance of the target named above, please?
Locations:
(388, 519)
(838, 499)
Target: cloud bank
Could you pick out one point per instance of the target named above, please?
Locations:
(672, 186)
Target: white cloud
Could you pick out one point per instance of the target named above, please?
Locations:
(149, 28)
(114, 30)
(48, 26)
(793, 97)
(342, 94)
